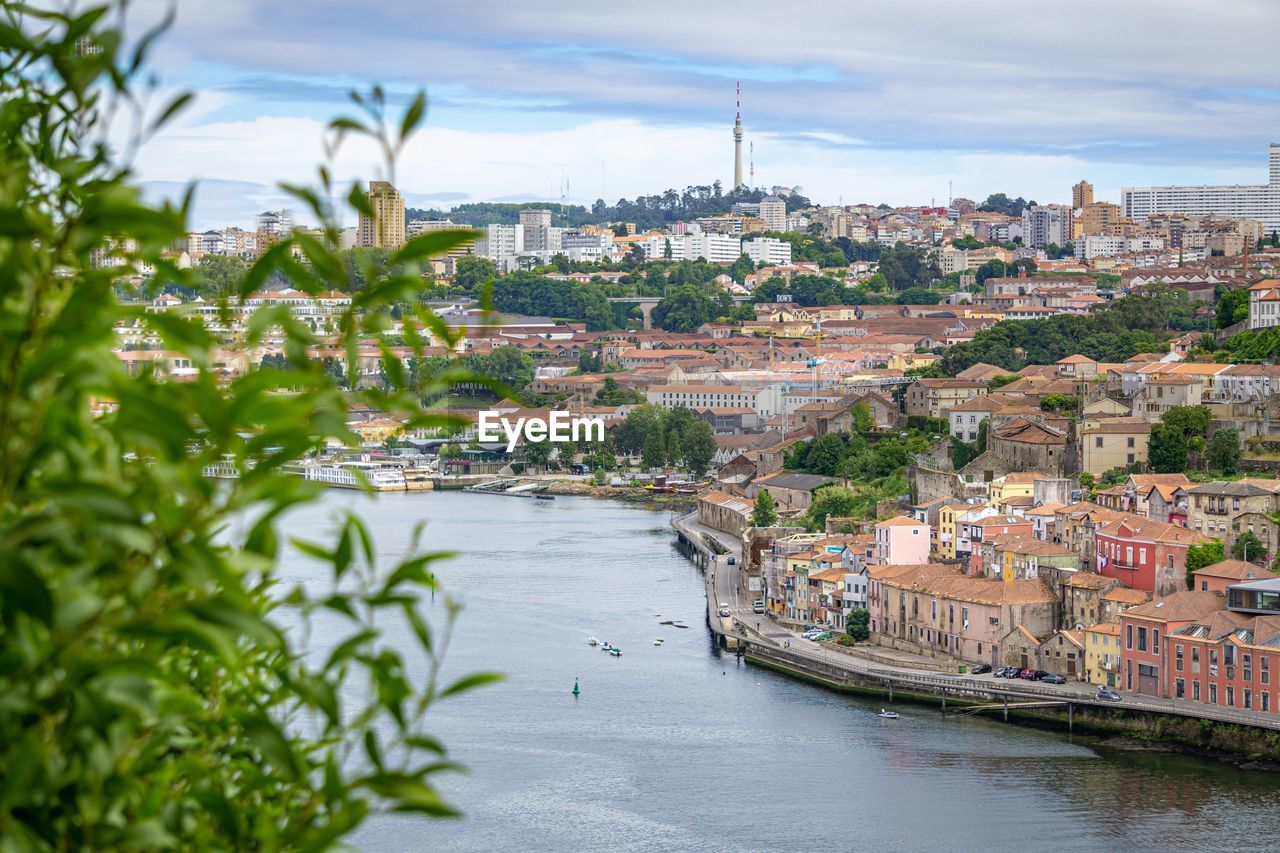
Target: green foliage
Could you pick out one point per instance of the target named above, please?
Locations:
(834, 500)
(157, 687)
(859, 624)
(862, 419)
(699, 442)
(925, 424)
(612, 395)
(1002, 380)
(685, 310)
(472, 272)
(1001, 203)
(1167, 452)
(763, 513)
(530, 293)
(1233, 307)
(1113, 477)
(1224, 453)
(1114, 333)
(1087, 483)
(1251, 347)
(1249, 547)
(1065, 403)
(1204, 554)
(1191, 421)
(220, 275)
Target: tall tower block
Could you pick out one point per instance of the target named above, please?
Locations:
(737, 143)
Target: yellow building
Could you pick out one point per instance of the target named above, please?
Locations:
(909, 360)
(1018, 484)
(385, 230)
(1102, 654)
(948, 526)
(1114, 443)
(1105, 218)
(1081, 194)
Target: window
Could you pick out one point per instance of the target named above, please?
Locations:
(1248, 698)
(1195, 690)
(1213, 694)
(964, 618)
(1097, 442)
(1177, 658)
(1142, 639)
(1264, 664)
(1231, 696)
(1155, 641)
(1129, 636)
(1179, 688)
(1131, 445)
(1266, 701)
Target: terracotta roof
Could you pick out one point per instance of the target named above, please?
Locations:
(1233, 570)
(1104, 628)
(1125, 595)
(1187, 606)
(901, 521)
(1087, 580)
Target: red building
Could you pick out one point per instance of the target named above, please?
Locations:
(986, 529)
(1220, 575)
(1145, 554)
(1144, 636)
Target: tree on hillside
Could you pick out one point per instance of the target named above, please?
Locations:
(699, 447)
(471, 272)
(220, 275)
(1223, 453)
(654, 453)
(1233, 307)
(742, 268)
(1167, 450)
(684, 311)
(763, 513)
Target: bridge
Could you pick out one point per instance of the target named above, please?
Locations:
(647, 303)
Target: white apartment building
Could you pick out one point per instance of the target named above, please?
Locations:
(1239, 201)
(767, 251)
(537, 229)
(698, 397)
(1047, 223)
(1091, 247)
(501, 241)
(1264, 304)
(773, 210)
(716, 248)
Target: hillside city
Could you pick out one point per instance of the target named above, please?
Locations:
(1030, 437)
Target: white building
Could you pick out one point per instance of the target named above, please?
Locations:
(773, 210)
(1239, 201)
(767, 251)
(1046, 223)
(1264, 304)
(1091, 247)
(501, 241)
(537, 229)
(716, 248)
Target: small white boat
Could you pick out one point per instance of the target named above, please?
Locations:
(658, 641)
(592, 641)
(888, 715)
(616, 652)
(606, 647)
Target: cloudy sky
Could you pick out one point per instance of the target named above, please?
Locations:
(852, 101)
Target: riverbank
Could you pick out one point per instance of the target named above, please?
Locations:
(627, 494)
(1224, 735)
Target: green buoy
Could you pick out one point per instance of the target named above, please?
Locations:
(576, 688)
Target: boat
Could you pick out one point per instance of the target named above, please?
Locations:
(888, 715)
(617, 653)
(658, 641)
(606, 647)
(544, 497)
(592, 641)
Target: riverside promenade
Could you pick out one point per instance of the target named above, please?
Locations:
(778, 648)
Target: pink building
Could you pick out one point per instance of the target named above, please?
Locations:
(901, 541)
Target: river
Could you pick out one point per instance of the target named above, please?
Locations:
(680, 747)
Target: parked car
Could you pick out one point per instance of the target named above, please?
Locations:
(733, 561)
(724, 609)
(981, 669)
(758, 606)
(1053, 678)
(1108, 694)
(1027, 674)
(1002, 672)
(821, 635)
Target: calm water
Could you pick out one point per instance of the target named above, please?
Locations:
(680, 748)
